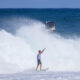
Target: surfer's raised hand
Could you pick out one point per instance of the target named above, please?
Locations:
(44, 48)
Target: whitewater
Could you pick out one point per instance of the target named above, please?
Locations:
(18, 51)
(19, 48)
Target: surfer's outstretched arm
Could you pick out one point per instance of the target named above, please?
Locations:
(43, 50)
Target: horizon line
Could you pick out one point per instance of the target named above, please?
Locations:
(39, 8)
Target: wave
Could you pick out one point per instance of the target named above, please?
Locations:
(18, 52)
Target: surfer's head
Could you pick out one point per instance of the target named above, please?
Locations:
(40, 51)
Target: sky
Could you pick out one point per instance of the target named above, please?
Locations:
(39, 3)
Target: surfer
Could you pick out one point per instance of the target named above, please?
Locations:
(39, 59)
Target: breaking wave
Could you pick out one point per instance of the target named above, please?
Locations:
(18, 51)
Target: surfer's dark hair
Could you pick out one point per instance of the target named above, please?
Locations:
(39, 51)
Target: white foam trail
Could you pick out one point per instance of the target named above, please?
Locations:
(18, 52)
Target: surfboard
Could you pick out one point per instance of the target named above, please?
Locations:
(45, 69)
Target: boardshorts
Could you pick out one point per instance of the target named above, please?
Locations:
(39, 61)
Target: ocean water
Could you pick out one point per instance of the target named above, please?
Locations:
(67, 20)
(42, 76)
(23, 33)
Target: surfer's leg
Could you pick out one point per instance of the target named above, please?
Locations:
(37, 64)
(40, 67)
(37, 67)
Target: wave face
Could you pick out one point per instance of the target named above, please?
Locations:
(67, 20)
(18, 51)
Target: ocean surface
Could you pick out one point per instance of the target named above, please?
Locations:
(42, 76)
(23, 32)
(67, 20)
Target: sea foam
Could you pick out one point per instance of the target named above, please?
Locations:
(18, 51)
